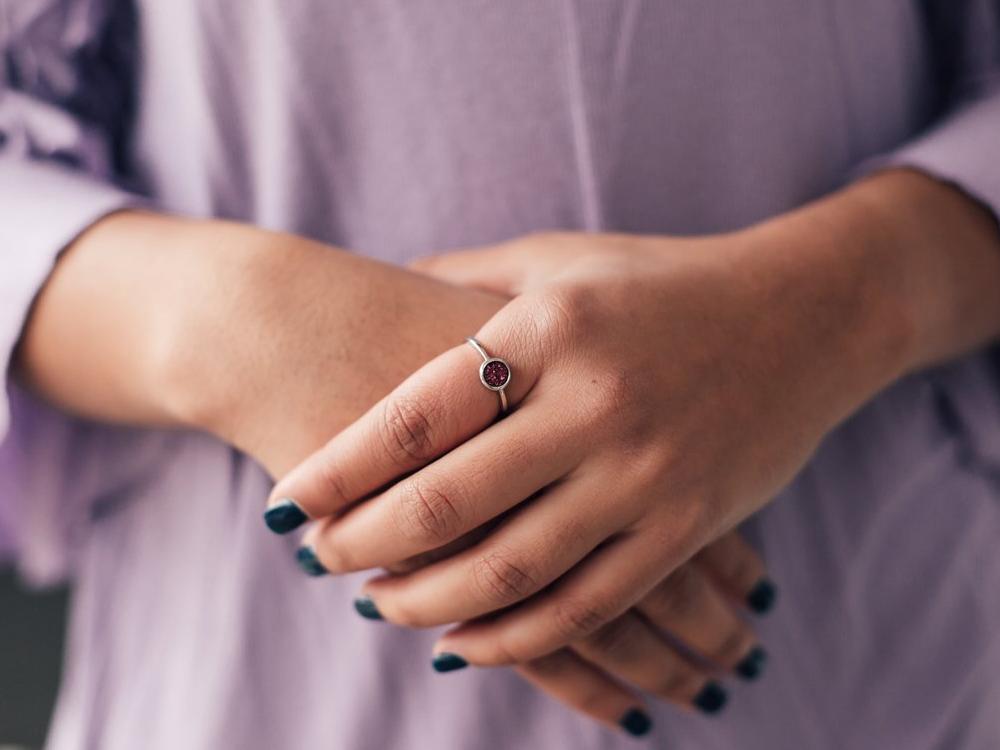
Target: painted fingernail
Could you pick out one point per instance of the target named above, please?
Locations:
(284, 516)
(307, 560)
(711, 699)
(753, 664)
(365, 607)
(448, 662)
(762, 596)
(636, 722)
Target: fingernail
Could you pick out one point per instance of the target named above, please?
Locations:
(636, 722)
(448, 662)
(365, 607)
(711, 699)
(753, 664)
(762, 596)
(306, 557)
(284, 516)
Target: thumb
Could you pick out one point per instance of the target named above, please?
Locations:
(502, 268)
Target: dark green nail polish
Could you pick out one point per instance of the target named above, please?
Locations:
(762, 596)
(365, 607)
(306, 557)
(448, 662)
(636, 722)
(284, 516)
(711, 699)
(752, 665)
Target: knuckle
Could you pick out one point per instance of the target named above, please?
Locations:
(332, 483)
(678, 595)
(501, 579)
(574, 619)
(562, 312)
(615, 638)
(426, 513)
(407, 433)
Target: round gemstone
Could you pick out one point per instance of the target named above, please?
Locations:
(496, 373)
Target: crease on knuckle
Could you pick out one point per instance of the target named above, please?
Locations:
(577, 618)
(407, 433)
(332, 483)
(501, 579)
(427, 514)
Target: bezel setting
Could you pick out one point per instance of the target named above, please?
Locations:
(482, 373)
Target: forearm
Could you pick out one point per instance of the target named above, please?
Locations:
(270, 341)
(890, 275)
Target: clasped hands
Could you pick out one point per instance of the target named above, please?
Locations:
(663, 390)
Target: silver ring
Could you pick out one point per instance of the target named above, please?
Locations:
(494, 373)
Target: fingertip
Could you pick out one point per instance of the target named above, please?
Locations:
(752, 665)
(366, 607)
(284, 516)
(636, 722)
(711, 699)
(762, 596)
(306, 557)
(448, 662)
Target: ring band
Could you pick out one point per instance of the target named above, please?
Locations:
(494, 373)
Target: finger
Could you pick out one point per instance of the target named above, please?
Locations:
(629, 649)
(508, 268)
(585, 688)
(447, 499)
(438, 407)
(531, 549)
(497, 269)
(738, 570)
(424, 559)
(597, 590)
(687, 606)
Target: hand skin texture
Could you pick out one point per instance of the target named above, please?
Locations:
(663, 390)
(273, 342)
(270, 341)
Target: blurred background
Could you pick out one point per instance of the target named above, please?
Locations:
(32, 628)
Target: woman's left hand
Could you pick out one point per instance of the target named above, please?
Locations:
(662, 390)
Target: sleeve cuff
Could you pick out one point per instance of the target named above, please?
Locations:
(963, 149)
(42, 209)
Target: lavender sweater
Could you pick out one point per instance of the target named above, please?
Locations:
(402, 127)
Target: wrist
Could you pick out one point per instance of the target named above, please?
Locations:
(831, 278)
(201, 356)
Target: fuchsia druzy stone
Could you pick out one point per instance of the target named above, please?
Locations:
(496, 374)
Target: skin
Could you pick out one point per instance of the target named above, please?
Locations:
(654, 408)
(266, 341)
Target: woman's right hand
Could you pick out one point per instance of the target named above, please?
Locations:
(270, 341)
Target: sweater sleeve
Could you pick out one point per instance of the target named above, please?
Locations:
(64, 107)
(962, 148)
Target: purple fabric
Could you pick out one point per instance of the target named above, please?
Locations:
(400, 128)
